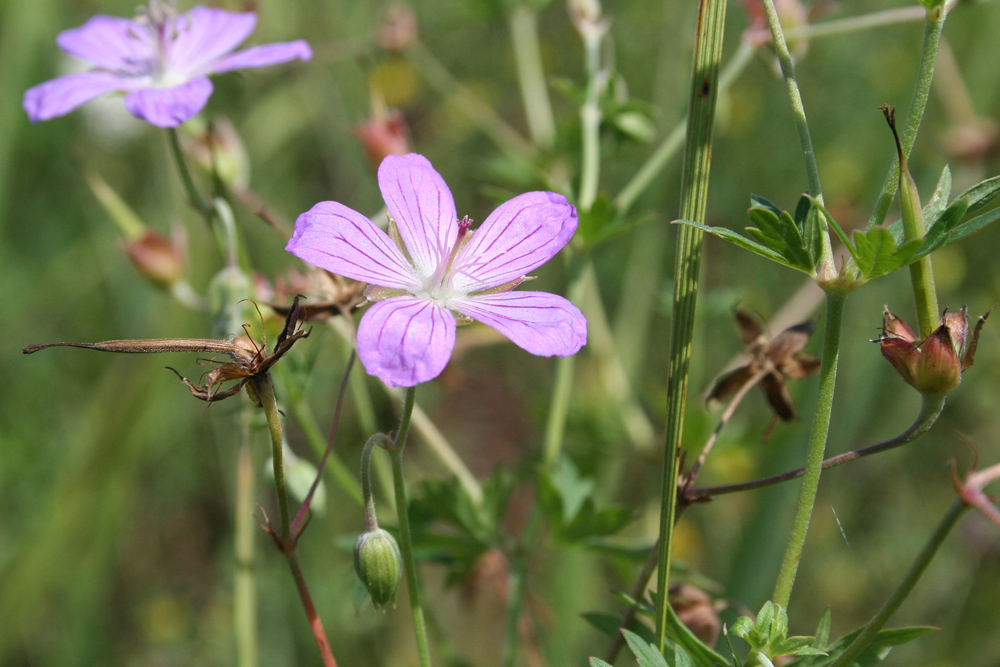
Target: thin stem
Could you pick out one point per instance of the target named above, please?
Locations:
(857, 23)
(194, 198)
(930, 410)
(692, 475)
(405, 537)
(590, 120)
(523, 23)
(817, 446)
(694, 199)
(798, 110)
(244, 586)
(314, 621)
(265, 391)
(925, 76)
(377, 440)
(867, 635)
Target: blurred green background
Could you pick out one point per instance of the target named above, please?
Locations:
(116, 488)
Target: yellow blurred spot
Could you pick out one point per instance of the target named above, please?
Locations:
(688, 544)
(950, 268)
(398, 81)
(165, 620)
(844, 176)
(728, 465)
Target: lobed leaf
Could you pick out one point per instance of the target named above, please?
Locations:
(745, 243)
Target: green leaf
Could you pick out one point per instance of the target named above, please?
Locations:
(780, 233)
(972, 225)
(982, 194)
(700, 654)
(939, 200)
(743, 242)
(597, 662)
(823, 630)
(874, 653)
(756, 201)
(937, 235)
(812, 230)
(645, 653)
(681, 658)
(837, 229)
(874, 247)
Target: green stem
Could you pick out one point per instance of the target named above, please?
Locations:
(795, 96)
(694, 199)
(244, 586)
(194, 198)
(379, 439)
(523, 22)
(925, 76)
(817, 447)
(590, 120)
(871, 630)
(405, 537)
(265, 390)
(857, 23)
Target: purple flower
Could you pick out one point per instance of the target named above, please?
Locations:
(432, 266)
(160, 60)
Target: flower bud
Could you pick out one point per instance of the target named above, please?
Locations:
(161, 261)
(384, 134)
(218, 149)
(938, 368)
(379, 566)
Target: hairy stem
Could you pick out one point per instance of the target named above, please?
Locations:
(694, 198)
(523, 23)
(817, 446)
(930, 410)
(871, 630)
(405, 537)
(925, 76)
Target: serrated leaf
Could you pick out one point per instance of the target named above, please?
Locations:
(742, 627)
(982, 194)
(874, 247)
(743, 242)
(645, 653)
(781, 234)
(790, 645)
(874, 653)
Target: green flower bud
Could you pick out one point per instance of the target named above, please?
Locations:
(379, 565)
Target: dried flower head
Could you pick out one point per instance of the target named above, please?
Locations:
(249, 360)
(774, 360)
(935, 365)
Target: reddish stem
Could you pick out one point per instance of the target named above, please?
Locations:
(314, 621)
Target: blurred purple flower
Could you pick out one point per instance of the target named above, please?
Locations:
(160, 60)
(430, 264)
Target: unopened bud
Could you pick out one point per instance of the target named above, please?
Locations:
(938, 368)
(217, 148)
(384, 134)
(379, 566)
(156, 257)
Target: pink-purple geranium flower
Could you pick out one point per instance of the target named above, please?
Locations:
(160, 60)
(433, 266)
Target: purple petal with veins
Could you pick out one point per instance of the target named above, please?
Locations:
(205, 35)
(541, 323)
(60, 96)
(262, 56)
(116, 44)
(169, 107)
(423, 208)
(518, 237)
(342, 241)
(406, 340)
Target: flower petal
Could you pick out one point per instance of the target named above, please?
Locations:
(204, 35)
(169, 107)
(342, 241)
(406, 340)
(262, 56)
(541, 323)
(112, 43)
(422, 205)
(60, 96)
(519, 236)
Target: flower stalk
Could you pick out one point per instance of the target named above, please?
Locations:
(817, 446)
(523, 23)
(405, 536)
(694, 198)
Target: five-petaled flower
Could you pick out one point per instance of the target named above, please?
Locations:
(160, 60)
(433, 265)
